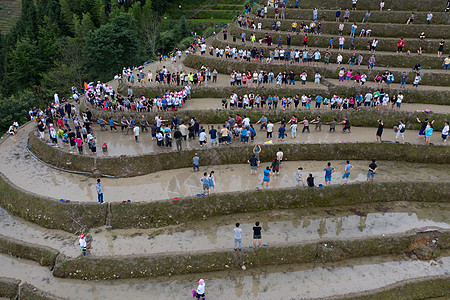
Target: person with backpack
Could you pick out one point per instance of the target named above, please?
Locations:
(400, 131)
(200, 292)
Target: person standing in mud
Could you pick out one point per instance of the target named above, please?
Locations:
(328, 171)
(99, 189)
(372, 170)
(200, 292)
(380, 130)
(346, 175)
(82, 242)
(256, 234)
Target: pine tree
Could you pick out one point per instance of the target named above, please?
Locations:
(183, 30)
(67, 14)
(86, 25)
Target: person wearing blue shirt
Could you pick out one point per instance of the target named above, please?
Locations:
(330, 43)
(266, 177)
(99, 189)
(175, 122)
(243, 135)
(112, 124)
(213, 135)
(252, 132)
(318, 101)
(346, 175)
(281, 133)
(328, 171)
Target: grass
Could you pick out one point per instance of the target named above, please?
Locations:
(210, 20)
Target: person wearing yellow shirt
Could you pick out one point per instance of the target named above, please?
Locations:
(446, 63)
(294, 26)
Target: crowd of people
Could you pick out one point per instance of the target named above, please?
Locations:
(163, 77)
(316, 27)
(169, 101)
(378, 99)
(308, 57)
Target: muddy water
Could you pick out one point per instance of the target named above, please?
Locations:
(279, 282)
(215, 103)
(120, 143)
(29, 174)
(25, 231)
(278, 227)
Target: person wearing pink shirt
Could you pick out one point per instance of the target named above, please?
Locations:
(349, 74)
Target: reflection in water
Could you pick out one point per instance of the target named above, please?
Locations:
(362, 223)
(255, 285)
(322, 227)
(339, 227)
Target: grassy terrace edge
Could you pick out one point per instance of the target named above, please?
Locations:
(383, 59)
(131, 166)
(363, 118)
(419, 288)
(80, 217)
(225, 66)
(327, 250)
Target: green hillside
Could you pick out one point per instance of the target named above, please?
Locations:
(9, 14)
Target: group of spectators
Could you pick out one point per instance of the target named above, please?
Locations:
(378, 99)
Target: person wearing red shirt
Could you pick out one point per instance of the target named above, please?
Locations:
(400, 45)
(238, 120)
(305, 40)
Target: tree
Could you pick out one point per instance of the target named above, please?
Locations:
(27, 24)
(148, 25)
(16, 107)
(24, 68)
(2, 59)
(69, 68)
(112, 47)
(87, 25)
(67, 14)
(184, 30)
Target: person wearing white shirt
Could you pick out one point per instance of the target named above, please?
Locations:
(202, 138)
(400, 131)
(445, 132)
(246, 122)
(136, 133)
(200, 290)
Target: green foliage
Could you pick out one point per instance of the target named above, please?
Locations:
(111, 47)
(87, 25)
(186, 42)
(24, 66)
(16, 108)
(183, 29)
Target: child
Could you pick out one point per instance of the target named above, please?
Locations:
(200, 292)
(82, 242)
(212, 181)
(205, 183)
(310, 180)
(299, 177)
(237, 237)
